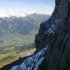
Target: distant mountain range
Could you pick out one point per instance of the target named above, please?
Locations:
(17, 34)
(19, 30)
(21, 25)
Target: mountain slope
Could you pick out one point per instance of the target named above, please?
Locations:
(58, 53)
(17, 35)
(56, 34)
(14, 29)
(21, 25)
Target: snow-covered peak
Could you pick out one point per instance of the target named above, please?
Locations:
(17, 14)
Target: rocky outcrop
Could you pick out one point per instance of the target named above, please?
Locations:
(56, 33)
(59, 17)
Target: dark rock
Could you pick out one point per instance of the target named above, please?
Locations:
(58, 52)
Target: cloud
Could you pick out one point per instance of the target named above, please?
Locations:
(12, 3)
(19, 14)
(5, 1)
(9, 14)
(45, 6)
(18, 3)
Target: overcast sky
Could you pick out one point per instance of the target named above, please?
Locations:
(27, 5)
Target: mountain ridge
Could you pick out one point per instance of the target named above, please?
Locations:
(14, 29)
(22, 25)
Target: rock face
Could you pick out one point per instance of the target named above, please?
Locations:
(56, 33)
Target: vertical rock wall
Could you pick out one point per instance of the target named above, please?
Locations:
(56, 33)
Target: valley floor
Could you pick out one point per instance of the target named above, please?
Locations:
(13, 56)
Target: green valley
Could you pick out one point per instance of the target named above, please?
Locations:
(17, 35)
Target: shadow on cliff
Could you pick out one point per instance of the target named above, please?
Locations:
(17, 62)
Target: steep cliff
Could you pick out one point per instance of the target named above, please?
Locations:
(55, 34)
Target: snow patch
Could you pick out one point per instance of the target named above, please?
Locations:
(32, 63)
(56, 21)
(51, 29)
(15, 67)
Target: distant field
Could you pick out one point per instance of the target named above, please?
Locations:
(13, 56)
(15, 45)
